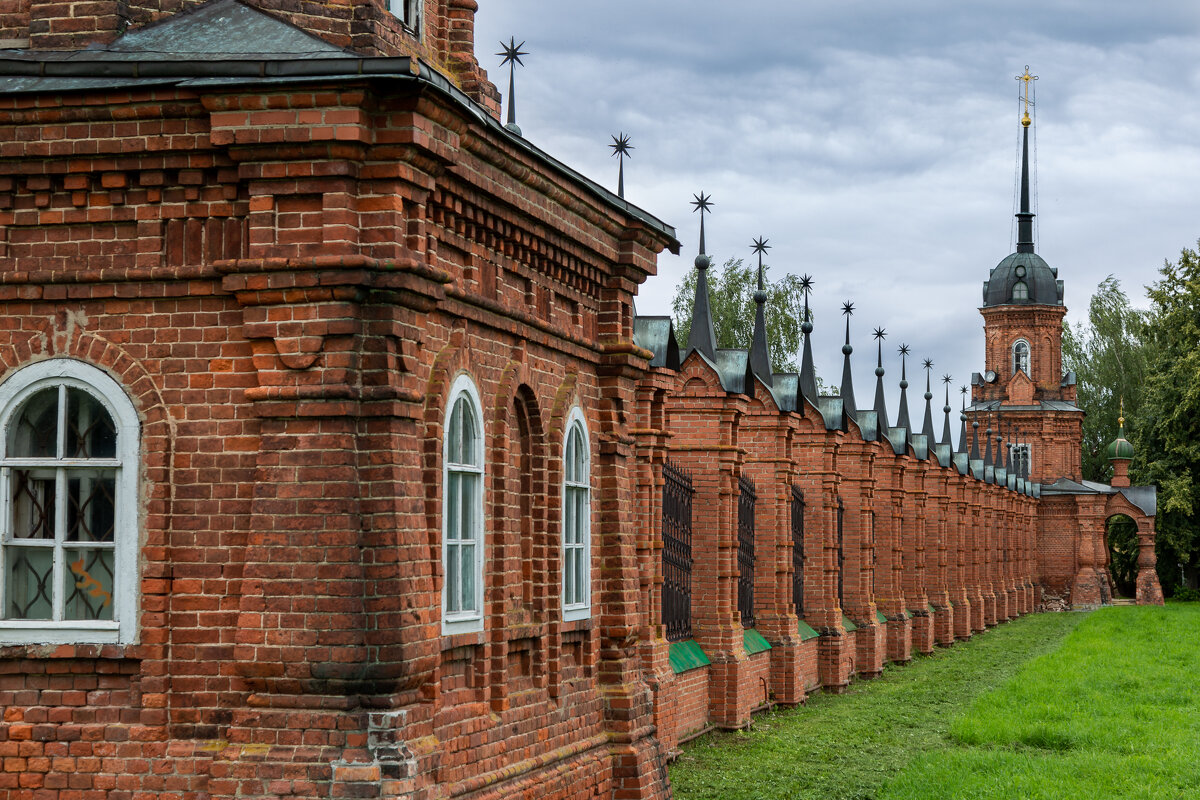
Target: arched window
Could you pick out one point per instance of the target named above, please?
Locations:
(462, 511)
(577, 520)
(1020, 291)
(68, 485)
(1020, 354)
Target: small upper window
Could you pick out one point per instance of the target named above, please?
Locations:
(1020, 291)
(577, 517)
(408, 12)
(462, 512)
(1021, 357)
(68, 484)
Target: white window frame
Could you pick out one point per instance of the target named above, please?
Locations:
(409, 14)
(572, 490)
(14, 391)
(1028, 368)
(470, 620)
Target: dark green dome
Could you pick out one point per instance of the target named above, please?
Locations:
(1039, 279)
(1121, 448)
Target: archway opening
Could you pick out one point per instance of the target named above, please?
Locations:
(1121, 536)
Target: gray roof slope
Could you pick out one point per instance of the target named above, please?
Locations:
(657, 334)
(227, 43)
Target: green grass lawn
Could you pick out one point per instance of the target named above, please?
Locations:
(1054, 706)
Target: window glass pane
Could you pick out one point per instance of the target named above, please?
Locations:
(568, 517)
(469, 599)
(580, 457)
(35, 433)
(91, 509)
(90, 431)
(452, 503)
(454, 432)
(580, 575)
(453, 592)
(33, 504)
(88, 583)
(470, 442)
(29, 582)
(569, 459)
(569, 575)
(469, 496)
(581, 515)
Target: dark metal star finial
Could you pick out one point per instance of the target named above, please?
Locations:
(946, 379)
(928, 363)
(963, 389)
(621, 145)
(702, 203)
(848, 308)
(760, 246)
(880, 333)
(512, 51)
(806, 284)
(904, 350)
(621, 148)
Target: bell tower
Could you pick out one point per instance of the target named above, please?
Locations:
(1023, 384)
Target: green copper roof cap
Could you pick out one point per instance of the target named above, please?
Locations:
(1120, 448)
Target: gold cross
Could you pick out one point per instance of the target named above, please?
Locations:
(1025, 120)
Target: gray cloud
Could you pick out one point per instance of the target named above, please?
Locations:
(875, 143)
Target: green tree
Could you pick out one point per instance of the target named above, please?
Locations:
(1167, 448)
(731, 297)
(1109, 355)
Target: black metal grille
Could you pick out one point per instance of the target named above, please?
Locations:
(841, 545)
(798, 551)
(677, 553)
(745, 554)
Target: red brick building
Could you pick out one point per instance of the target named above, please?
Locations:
(336, 462)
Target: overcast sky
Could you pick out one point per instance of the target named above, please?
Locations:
(875, 144)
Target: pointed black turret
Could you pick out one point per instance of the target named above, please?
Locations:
(902, 420)
(1025, 216)
(927, 421)
(701, 336)
(848, 403)
(808, 373)
(760, 355)
(987, 446)
(975, 440)
(880, 403)
(947, 438)
(962, 433)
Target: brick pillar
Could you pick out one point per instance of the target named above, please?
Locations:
(1149, 592)
(835, 648)
(1089, 555)
(918, 574)
(939, 596)
(856, 462)
(890, 550)
(960, 588)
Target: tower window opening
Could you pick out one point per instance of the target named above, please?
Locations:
(1020, 291)
(409, 13)
(1021, 357)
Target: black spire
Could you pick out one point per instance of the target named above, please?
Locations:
(808, 373)
(999, 444)
(974, 440)
(962, 433)
(1025, 216)
(987, 446)
(701, 336)
(902, 420)
(760, 355)
(848, 403)
(927, 422)
(946, 435)
(880, 402)
(621, 148)
(512, 53)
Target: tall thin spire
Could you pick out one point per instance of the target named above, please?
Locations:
(975, 440)
(947, 438)
(1025, 215)
(902, 420)
(760, 355)
(512, 53)
(701, 336)
(848, 403)
(927, 422)
(987, 445)
(880, 401)
(808, 372)
(1001, 449)
(962, 433)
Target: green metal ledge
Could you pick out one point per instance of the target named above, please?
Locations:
(880, 618)
(686, 655)
(806, 631)
(754, 642)
(848, 624)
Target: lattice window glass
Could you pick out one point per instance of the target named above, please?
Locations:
(1020, 353)
(68, 487)
(677, 553)
(1020, 291)
(798, 551)
(745, 550)
(462, 512)
(577, 514)
(841, 554)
